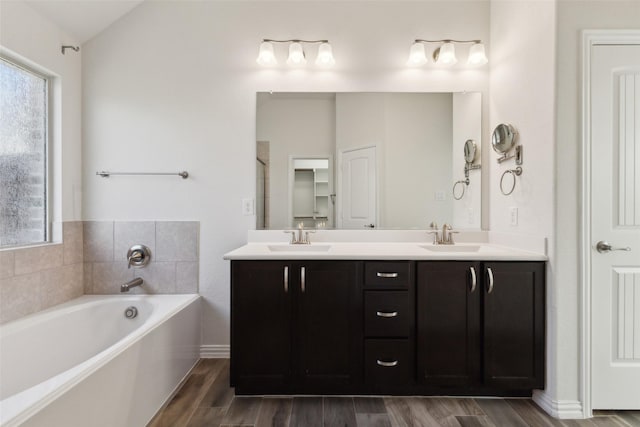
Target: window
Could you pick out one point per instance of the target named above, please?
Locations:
(23, 155)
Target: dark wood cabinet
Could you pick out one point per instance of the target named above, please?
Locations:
(296, 326)
(480, 326)
(448, 347)
(514, 325)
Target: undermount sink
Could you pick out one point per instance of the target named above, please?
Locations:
(299, 248)
(451, 248)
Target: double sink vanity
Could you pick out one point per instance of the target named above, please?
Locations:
(386, 317)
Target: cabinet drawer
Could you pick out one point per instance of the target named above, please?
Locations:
(387, 275)
(387, 362)
(387, 313)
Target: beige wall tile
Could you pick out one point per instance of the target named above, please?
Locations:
(73, 242)
(159, 278)
(20, 296)
(187, 277)
(88, 278)
(108, 276)
(38, 258)
(177, 241)
(127, 234)
(7, 259)
(62, 284)
(98, 241)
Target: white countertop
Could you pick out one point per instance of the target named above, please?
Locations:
(381, 251)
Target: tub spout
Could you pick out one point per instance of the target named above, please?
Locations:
(131, 284)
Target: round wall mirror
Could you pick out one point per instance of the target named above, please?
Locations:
(469, 151)
(503, 138)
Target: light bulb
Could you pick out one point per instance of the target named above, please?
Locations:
(296, 54)
(446, 54)
(416, 55)
(266, 55)
(477, 56)
(325, 56)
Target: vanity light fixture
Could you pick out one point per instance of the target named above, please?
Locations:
(445, 54)
(297, 57)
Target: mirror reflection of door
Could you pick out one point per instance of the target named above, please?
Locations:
(357, 197)
(262, 185)
(311, 186)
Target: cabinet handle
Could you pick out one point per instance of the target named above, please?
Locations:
(302, 279)
(490, 285)
(286, 278)
(474, 282)
(387, 275)
(386, 314)
(387, 364)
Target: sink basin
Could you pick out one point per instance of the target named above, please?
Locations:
(451, 248)
(299, 248)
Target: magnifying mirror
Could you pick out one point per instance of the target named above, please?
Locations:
(503, 138)
(469, 151)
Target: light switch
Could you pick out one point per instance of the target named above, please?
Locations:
(439, 196)
(248, 207)
(514, 215)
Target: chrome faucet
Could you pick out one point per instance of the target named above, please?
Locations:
(442, 238)
(300, 239)
(131, 284)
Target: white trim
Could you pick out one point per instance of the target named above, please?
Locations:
(562, 409)
(215, 351)
(590, 38)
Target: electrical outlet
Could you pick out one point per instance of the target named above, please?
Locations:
(514, 215)
(439, 196)
(248, 207)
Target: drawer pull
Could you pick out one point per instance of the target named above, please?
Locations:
(490, 284)
(387, 275)
(286, 278)
(303, 281)
(387, 364)
(386, 314)
(473, 279)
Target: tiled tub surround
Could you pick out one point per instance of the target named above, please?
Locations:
(38, 277)
(174, 249)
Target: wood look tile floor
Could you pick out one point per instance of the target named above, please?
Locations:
(206, 400)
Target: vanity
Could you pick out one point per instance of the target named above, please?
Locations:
(391, 318)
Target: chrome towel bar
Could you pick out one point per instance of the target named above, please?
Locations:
(105, 174)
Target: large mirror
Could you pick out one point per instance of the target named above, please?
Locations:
(366, 160)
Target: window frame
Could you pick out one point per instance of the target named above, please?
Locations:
(48, 169)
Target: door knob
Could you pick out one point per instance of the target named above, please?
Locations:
(369, 226)
(603, 246)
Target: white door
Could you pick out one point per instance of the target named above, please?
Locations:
(615, 219)
(357, 195)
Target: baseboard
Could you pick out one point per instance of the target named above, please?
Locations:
(215, 351)
(562, 409)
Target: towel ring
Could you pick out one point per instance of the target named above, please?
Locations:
(465, 182)
(513, 172)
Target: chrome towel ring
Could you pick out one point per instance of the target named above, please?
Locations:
(465, 182)
(513, 172)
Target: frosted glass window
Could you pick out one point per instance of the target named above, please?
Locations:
(23, 156)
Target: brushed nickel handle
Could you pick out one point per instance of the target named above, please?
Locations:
(386, 314)
(387, 275)
(604, 246)
(286, 278)
(303, 285)
(490, 284)
(474, 281)
(387, 364)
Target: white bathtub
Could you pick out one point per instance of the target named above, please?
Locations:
(83, 363)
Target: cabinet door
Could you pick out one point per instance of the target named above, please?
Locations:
(514, 324)
(329, 325)
(260, 324)
(448, 306)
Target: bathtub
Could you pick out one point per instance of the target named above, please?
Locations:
(83, 363)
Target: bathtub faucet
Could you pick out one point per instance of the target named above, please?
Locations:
(131, 284)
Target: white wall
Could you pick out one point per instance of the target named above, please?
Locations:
(173, 86)
(523, 93)
(28, 37)
(572, 18)
(293, 125)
